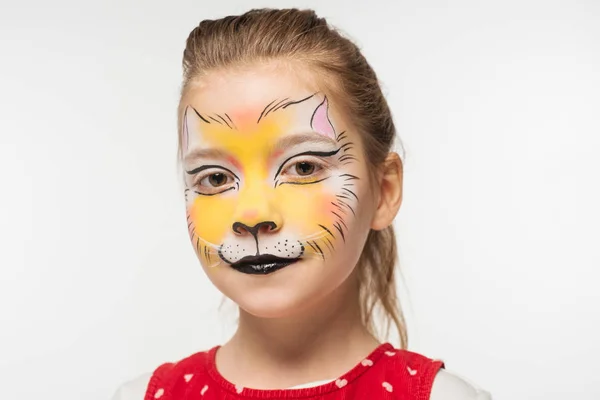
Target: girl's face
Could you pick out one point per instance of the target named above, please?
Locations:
(277, 193)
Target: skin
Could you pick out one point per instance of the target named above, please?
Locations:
(263, 180)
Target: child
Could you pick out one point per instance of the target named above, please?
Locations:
(290, 192)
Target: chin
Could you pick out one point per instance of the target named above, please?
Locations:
(267, 308)
(280, 294)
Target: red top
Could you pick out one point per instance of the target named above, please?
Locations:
(387, 373)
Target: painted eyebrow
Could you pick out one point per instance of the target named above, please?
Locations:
(309, 153)
(202, 168)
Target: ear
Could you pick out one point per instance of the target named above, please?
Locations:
(390, 192)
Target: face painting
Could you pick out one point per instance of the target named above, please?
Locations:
(266, 190)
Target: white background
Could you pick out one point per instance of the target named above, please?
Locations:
(497, 103)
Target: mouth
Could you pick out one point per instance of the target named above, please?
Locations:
(262, 265)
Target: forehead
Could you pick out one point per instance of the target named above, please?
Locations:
(245, 94)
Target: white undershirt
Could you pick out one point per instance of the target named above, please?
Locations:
(446, 386)
(311, 384)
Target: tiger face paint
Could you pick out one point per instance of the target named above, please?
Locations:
(274, 181)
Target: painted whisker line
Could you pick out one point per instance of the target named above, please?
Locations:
(200, 116)
(212, 245)
(217, 121)
(272, 108)
(340, 136)
(350, 177)
(346, 157)
(316, 236)
(223, 119)
(207, 252)
(347, 206)
(230, 120)
(319, 249)
(263, 111)
(340, 219)
(346, 145)
(328, 231)
(289, 103)
(338, 206)
(310, 244)
(351, 192)
(339, 228)
(329, 243)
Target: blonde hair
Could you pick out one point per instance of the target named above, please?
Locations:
(300, 35)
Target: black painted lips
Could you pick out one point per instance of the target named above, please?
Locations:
(262, 264)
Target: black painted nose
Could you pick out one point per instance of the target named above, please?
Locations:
(253, 230)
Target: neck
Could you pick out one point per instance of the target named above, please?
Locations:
(321, 342)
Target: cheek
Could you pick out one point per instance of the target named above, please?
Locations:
(211, 217)
(304, 207)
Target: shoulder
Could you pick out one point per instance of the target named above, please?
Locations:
(165, 375)
(428, 378)
(450, 386)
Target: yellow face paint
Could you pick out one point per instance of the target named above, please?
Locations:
(265, 190)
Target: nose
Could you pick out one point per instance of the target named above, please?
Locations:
(256, 211)
(266, 226)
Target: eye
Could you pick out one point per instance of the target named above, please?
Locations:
(215, 182)
(304, 168)
(217, 179)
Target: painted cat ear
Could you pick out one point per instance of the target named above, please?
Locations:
(185, 137)
(191, 127)
(320, 120)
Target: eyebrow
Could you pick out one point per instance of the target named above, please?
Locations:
(300, 138)
(282, 144)
(204, 153)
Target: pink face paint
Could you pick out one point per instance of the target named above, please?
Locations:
(320, 120)
(234, 162)
(250, 214)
